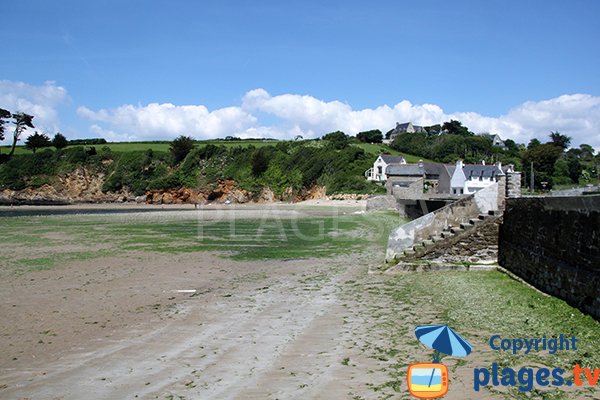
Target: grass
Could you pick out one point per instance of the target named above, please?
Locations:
(121, 147)
(163, 146)
(479, 305)
(375, 149)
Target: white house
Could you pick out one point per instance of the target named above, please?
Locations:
(468, 179)
(377, 172)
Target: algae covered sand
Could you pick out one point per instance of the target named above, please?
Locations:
(250, 302)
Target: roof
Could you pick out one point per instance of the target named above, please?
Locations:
(431, 170)
(450, 169)
(402, 126)
(389, 159)
(404, 170)
(434, 169)
(484, 171)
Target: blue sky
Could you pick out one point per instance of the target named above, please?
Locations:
(121, 69)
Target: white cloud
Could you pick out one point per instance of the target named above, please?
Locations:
(40, 101)
(576, 115)
(261, 114)
(163, 121)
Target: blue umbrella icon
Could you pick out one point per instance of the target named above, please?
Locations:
(442, 339)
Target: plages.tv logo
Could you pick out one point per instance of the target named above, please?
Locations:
(430, 380)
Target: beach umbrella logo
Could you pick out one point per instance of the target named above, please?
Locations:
(443, 339)
(430, 380)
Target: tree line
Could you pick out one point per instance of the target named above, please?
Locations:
(554, 162)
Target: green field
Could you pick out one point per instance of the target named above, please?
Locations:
(163, 146)
(122, 147)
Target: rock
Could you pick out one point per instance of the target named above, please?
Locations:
(167, 198)
(157, 198)
(140, 199)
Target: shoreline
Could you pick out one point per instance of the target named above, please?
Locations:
(18, 210)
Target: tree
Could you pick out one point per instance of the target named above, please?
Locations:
(37, 141)
(587, 152)
(434, 129)
(454, 127)
(4, 116)
(372, 136)
(21, 121)
(560, 140)
(260, 160)
(337, 139)
(59, 141)
(544, 158)
(180, 147)
(533, 143)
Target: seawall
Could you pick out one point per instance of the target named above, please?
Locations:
(553, 243)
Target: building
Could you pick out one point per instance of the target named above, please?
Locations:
(468, 179)
(413, 181)
(496, 140)
(377, 172)
(406, 127)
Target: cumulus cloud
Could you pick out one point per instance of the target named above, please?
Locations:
(40, 101)
(576, 115)
(261, 114)
(160, 121)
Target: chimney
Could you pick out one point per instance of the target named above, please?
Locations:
(459, 164)
(421, 164)
(482, 162)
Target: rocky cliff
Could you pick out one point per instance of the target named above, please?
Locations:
(83, 186)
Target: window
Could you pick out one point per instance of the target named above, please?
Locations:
(379, 169)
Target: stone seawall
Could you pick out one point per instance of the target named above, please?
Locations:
(553, 243)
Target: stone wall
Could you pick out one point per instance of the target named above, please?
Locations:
(381, 203)
(405, 236)
(553, 243)
(513, 185)
(473, 245)
(410, 187)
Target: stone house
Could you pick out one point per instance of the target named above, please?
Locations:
(377, 172)
(406, 127)
(412, 181)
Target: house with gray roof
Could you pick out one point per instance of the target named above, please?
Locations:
(406, 127)
(470, 178)
(377, 172)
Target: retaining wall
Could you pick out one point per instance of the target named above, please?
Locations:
(405, 236)
(553, 243)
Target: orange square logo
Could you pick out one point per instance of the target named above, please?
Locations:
(427, 380)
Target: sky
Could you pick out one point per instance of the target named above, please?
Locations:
(130, 70)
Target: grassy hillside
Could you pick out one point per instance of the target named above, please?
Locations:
(122, 147)
(286, 167)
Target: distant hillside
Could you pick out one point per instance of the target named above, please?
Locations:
(108, 172)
